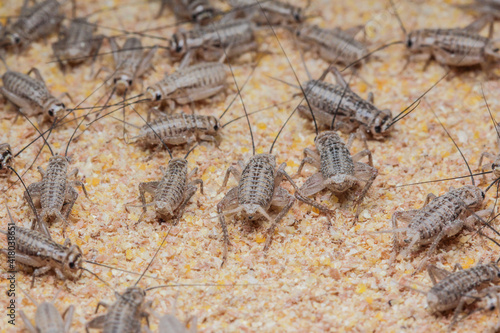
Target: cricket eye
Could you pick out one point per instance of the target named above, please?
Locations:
(378, 129)
(409, 43)
(129, 82)
(72, 265)
(158, 96)
(51, 113)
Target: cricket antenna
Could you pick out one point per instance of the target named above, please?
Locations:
(338, 105)
(30, 199)
(97, 277)
(81, 121)
(154, 256)
(294, 73)
(190, 150)
(495, 124)
(399, 18)
(39, 152)
(258, 111)
(36, 128)
(122, 270)
(493, 183)
(444, 179)
(239, 92)
(403, 113)
(354, 63)
(155, 133)
(242, 87)
(458, 148)
(28, 295)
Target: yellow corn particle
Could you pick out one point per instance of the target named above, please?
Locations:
(468, 262)
(361, 288)
(260, 239)
(128, 254)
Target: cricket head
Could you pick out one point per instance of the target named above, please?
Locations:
(471, 195)
(213, 125)
(381, 124)
(492, 49)
(122, 81)
(53, 108)
(5, 158)
(495, 167)
(177, 47)
(418, 40)
(160, 90)
(303, 31)
(11, 39)
(202, 14)
(134, 296)
(263, 158)
(251, 212)
(340, 183)
(488, 302)
(59, 161)
(326, 139)
(164, 209)
(72, 263)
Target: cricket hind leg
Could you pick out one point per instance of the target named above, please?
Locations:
(229, 202)
(282, 199)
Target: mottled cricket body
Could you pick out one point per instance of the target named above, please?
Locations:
(197, 11)
(495, 166)
(214, 41)
(258, 189)
(39, 252)
(131, 62)
(54, 194)
(457, 47)
(172, 193)
(77, 43)
(48, 319)
(338, 170)
(275, 12)
(6, 158)
(190, 84)
(454, 290)
(179, 129)
(34, 22)
(332, 45)
(123, 316)
(31, 95)
(351, 112)
(440, 217)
